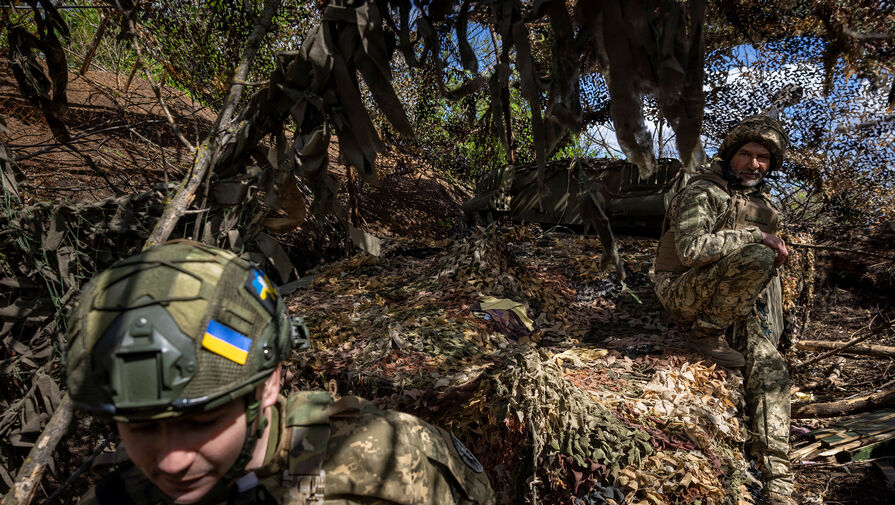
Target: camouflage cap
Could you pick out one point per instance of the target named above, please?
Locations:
(759, 128)
(174, 330)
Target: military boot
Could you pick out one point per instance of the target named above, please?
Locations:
(715, 346)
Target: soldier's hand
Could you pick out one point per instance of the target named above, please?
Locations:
(776, 243)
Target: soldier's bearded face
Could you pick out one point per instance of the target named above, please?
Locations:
(750, 163)
(186, 457)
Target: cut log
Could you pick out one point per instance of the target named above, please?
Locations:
(845, 407)
(883, 351)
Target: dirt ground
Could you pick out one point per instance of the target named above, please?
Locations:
(839, 313)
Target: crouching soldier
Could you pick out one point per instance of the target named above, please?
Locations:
(181, 347)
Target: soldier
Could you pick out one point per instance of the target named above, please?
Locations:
(181, 347)
(716, 271)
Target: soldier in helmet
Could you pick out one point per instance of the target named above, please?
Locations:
(181, 347)
(716, 272)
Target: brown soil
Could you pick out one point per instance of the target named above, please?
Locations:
(125, 134)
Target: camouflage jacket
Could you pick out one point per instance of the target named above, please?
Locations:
(695, 218)
(341, 453)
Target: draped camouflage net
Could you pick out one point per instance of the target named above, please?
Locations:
(583, 400)
(49, 250)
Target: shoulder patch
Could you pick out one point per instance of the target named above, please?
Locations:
(261, 288)
(466, 455)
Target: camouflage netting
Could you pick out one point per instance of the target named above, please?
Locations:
(48, 252)
(598, 392)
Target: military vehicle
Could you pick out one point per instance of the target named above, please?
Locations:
(598, 194)
(630, 202)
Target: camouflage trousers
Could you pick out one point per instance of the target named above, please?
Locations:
(715, 296)
(730, 295)
(767, 400)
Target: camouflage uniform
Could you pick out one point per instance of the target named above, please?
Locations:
(183, 329)
(721, 278)
(341, 453)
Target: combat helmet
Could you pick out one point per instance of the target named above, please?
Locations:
(178, 329)
(758, 128)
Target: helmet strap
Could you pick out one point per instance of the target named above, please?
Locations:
(253, 412)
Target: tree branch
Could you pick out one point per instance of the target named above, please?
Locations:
(845, 407)
(867, 36)
(839, 347)
(882, 351)
(208, 150)
(31, 471)
(155, 89)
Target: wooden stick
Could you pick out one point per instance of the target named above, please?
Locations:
(841, 347)
(130, 76)
(207, 151)
(31, 471)
(845, 407)
(831, 378)
(840, 249)
(883, 351)
(100, 31)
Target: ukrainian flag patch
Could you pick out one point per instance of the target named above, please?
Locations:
(225, 342)
(260, 286)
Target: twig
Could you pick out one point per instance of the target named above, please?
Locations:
(840, 249)
(831, 378)
(53, 147)
(207, 151)
(155, 89)
(844, 346)
(32, 469)
(81, 469)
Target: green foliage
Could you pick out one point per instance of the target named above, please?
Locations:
(201, 42)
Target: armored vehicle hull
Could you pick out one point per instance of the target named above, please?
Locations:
(631, 203)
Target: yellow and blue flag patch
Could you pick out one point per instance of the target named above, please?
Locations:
(260, 286)
(225, 342)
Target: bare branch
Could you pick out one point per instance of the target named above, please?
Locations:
(155, 89)
(32, 469)
(867, 36)
(216, 138)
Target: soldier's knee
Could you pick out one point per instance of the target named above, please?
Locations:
(757, 257)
